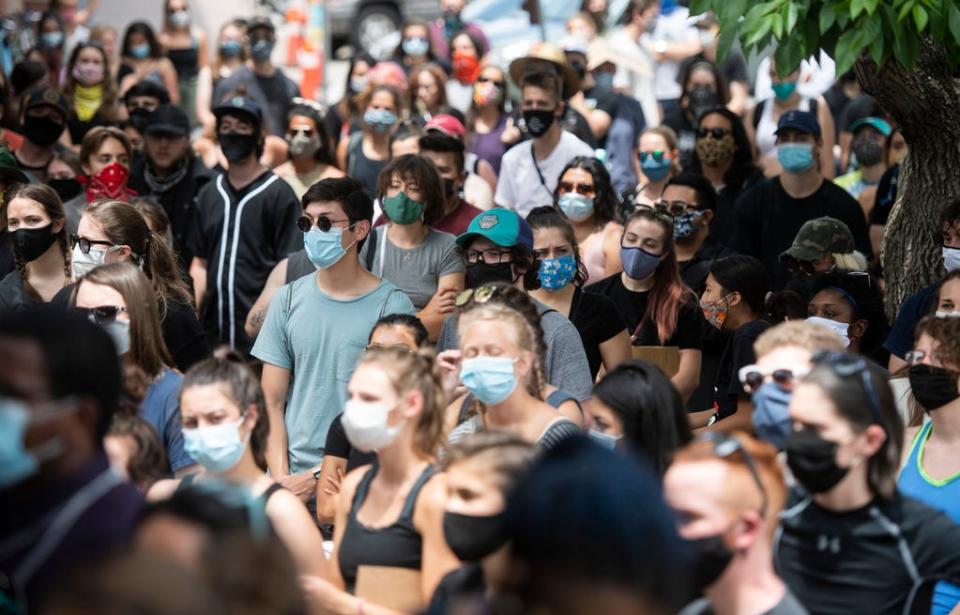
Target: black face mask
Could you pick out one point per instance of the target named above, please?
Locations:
(66, 188)
(237, 147)
(538, 121)
(711, 558)
(868, 151)
(813, 461)
(701, 99)
(933, 387)
(479, 274)
(449, 188)
(30, 243)
(140, 117)
(42, 130)
(472, 538)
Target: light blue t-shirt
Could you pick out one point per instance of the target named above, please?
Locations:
(161, 408)
(319, 339)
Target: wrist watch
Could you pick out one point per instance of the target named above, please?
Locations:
(316, 472)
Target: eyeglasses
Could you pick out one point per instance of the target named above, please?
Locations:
(102, 315)
(752, 377)
(490, 256)
(584, 189)
(657, 155)
(847, 365)
(674, 208)
(725, 445)
(84, 243)
(305, 224)
(495, 82)
(794, 265)
(716, 133)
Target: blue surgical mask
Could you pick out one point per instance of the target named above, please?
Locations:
(140, 51)
(655, 170)
(784, 90)
(638, 263)
(489, 379)
(795, 157)
(951, 258)
(17, 463)
(261, 50)
(771, 417)
(231, 49)
(358, 84)
(603, 80)
(577, 207)
(555, 273)
(379, 119)
(324, 249)
(685, 224)
(51, 39)
(605, 440)
(216, 447)
(415, 46)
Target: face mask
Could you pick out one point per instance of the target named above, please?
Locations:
(538, 121)
(685, 224)
(840, 328)
(216, 447)
(951, 258)
(771, 418)
(16, 462)
(324, 249)
(638, 263)
(486, 94)
(180, 19)
(711, 558)
(489, 379)
(261, 50)
(401, 209)
(51, 40)
(30, 243)
(479, 274)
(88, 74)
(784, 90)
(140, 117)
(110, 182)
(714, 152)
(701, 99)
(795, 157)
(655, 170)
(945, 314)
(237, 147)
(603, 81)
(555, 273)
(933, 387)
(119, 331)
(868, 151)
(81, 263)
(813, 461)
(379, 119)
(231, 49)
(466, 66)
(715, 314)
(415, 46)
(66, 188)
(473, 537)
(577, 207)
(140, 51)
(43, 131)
(366, 425)
(358, 84)
(605, 440)
(451, 22)
(304, 146)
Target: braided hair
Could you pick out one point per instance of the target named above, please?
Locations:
(47, 198)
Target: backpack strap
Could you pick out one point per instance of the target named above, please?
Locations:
(355, 140)
(758, 114)
(372, 240)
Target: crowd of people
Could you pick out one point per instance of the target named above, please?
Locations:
(599, 329)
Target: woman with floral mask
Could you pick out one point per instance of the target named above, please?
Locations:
(562, 276)
(654, 303)
(142, 58)
(225, 429)
(33, 215)
(847, 303)
(309, 148)
(389, 522)
(490, 128)
(366, 153)
(90, 91)
(734, 301)
(186, 48)
(466, 55)
(119, 298)
(849, 541)
(655, 163)
(105, 157)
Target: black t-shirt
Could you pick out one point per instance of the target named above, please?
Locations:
(869, 560)
(680, 121)
(723, 225)
(337, 445)
(458, 588)
(767, 220)
(632, 305)
(886, 196)
(738, 353)
(597, 320)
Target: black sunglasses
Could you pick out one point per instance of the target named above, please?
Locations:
(673, 208)
(716, 133)
(725, 445)
(846, 365)
(495, 82)
(305, 224)
(102, 315)
(84, 243)
(794, 265)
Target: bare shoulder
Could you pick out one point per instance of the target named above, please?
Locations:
(432, 500)
(162, 489)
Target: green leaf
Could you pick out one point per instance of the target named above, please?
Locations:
(905, 9)
(954, 19)
(777, 26)
(725, 43)
(920, 17)
(762, 30)
(848, 49)
(871, 6)
(906, 48)
(699, 7)
(793, 13)
(827, 18)
(856, 7)
(938, 24)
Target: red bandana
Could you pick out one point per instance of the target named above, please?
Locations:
(110, 182)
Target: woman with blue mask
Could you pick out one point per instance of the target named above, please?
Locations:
(50, 44)
(634, 407)
(142, 58)
(587, 199)
(658, 308)
(186, 47)
(225, 429)
(364, 155)
(655, 163)
(561, 274)
(414, 48)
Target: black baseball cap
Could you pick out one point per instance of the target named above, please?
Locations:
(804, 121)
(261, 22)
(240, 106)
(170, 120)
(46, 97)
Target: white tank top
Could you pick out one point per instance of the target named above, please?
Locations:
(766, 140)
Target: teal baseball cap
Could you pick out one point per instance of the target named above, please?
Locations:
(881, 125)
(501, 226)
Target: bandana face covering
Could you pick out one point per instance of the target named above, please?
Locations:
(110, 182)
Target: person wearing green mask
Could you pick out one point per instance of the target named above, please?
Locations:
(762, 120)
(421, 261)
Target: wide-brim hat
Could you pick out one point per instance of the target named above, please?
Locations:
(541, 56)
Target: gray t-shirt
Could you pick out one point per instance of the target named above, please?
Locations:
(415, 271)
(566, 361)
(320, 339)
(788, 605)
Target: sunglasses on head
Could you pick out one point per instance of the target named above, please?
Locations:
(657, 155)
(585, 189)
(305, 224)
(716, 133)
(847, 365)
(102, 315)
(725, 445)
(752, 377)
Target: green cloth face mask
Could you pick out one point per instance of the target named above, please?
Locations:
(401, 209)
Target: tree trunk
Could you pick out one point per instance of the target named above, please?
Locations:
(925, 102)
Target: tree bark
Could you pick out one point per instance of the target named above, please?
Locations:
(924, 101)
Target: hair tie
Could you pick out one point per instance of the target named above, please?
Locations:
(845, 295)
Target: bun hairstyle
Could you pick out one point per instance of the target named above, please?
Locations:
(416, 371)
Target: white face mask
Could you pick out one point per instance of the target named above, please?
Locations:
(81, 263)
(951, 258)
(119, 331)
(365, 424)
(840, 328)
(945, 314)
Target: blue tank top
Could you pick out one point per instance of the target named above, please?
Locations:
(943, 495)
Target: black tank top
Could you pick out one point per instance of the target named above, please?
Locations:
(299, 265)
(363, 169)
(398, 545)
(185, 60)
(188, 480)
